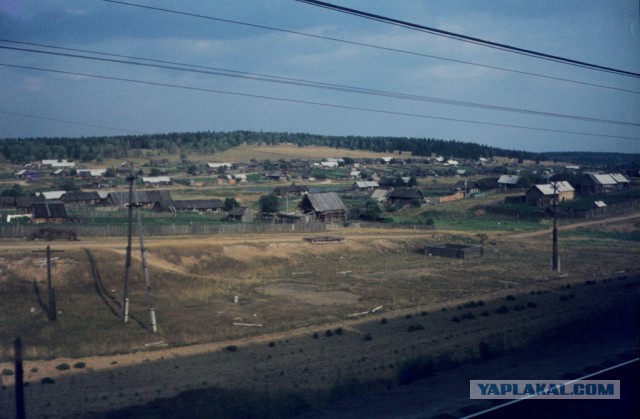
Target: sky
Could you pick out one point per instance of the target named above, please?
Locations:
(257, 65)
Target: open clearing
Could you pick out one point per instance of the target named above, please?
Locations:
(293, 289)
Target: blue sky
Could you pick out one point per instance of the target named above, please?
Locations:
(604, 32)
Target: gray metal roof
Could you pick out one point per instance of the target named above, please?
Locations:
(326, 201)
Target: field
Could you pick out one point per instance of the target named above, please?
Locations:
(290, 294)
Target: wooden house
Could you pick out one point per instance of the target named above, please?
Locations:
(48, 212)
(326, 207)
(81, 198)
(404, 196)
(543, 195)
(151, 199)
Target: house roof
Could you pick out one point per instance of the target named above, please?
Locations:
(163, 198)
(326, 201)
(49, 210)
(618, 177)
(363, 184)
(80, 196)
(508, 179)
(53, 194)
(547, 189)
(603, 180)
(198, 204)
(237, 211)
(405, 193)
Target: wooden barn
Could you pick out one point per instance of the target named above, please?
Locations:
(48, 212)
(326, 207)
(151, 199)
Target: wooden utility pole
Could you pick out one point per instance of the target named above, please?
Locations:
(52, 313)
(555, 263)
(127, 266)
(145, 269)
(125, 304)
(20, 410)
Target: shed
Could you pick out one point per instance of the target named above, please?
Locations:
(48, 212)
(154, 199)
(81, 197)
(242, 214)
(291, 190)
(326, 206)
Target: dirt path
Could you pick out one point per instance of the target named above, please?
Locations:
(573, 226)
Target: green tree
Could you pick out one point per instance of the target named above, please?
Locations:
(268, 203)
(111, 172)
(372, 210)
(230, 203)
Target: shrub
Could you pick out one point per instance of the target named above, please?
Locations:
(531, 305)
(502, 310)
(510, 298)
(485, 313)
(415, 369)
(468, 316)
(48, 380)
(63, 367)
(368, 337)
(328, 333)
(232, 348)
(272, 344)
(518, 307)
(315, 335)
(383, 321)
(79, 365)
(7, 371)
(339, 331)
(456, 319)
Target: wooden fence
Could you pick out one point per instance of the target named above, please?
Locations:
(194, 229)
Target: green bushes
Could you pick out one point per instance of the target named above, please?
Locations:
(416, 369)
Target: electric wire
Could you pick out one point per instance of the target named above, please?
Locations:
(363, 44)
(314, 103)
(299, 82)
(469, 39)
(66, 121)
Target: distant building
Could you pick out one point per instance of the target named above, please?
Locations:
(48, 212)
(242, 214)
(594, 183)
(543, 195)
(326, 207)
(405, 196)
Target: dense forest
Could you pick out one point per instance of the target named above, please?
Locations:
(20, 151)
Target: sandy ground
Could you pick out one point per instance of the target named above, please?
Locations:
(296, 361)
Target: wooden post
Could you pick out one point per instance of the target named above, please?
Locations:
(20, 410)
(52, 312)
(145, 269)
(125, 300)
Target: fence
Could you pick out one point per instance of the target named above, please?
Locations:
(20, 230)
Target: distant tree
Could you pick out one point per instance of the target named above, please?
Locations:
(372, 210)
(15, 190)
(230, 203)
(155, 172)
(111, 172)
(413, 181)
(193, 169)
(268, 203)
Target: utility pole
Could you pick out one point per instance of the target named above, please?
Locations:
(145, 269)
(127, 266)
(51, 291)
(555, 262)
(20, 408)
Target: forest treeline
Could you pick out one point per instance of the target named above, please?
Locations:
(86, 149)
(19, 151)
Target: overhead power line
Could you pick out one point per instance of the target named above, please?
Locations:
(66, 121)
(169, 65)
(469, 39)
(367, 45)
(313, 103)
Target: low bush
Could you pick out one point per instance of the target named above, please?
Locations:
(79, 365)
(63, 367)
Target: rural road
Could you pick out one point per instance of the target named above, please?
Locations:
(573, 226)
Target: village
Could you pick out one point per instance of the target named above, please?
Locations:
(297, 191)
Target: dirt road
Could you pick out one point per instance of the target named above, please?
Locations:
(573, 226)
